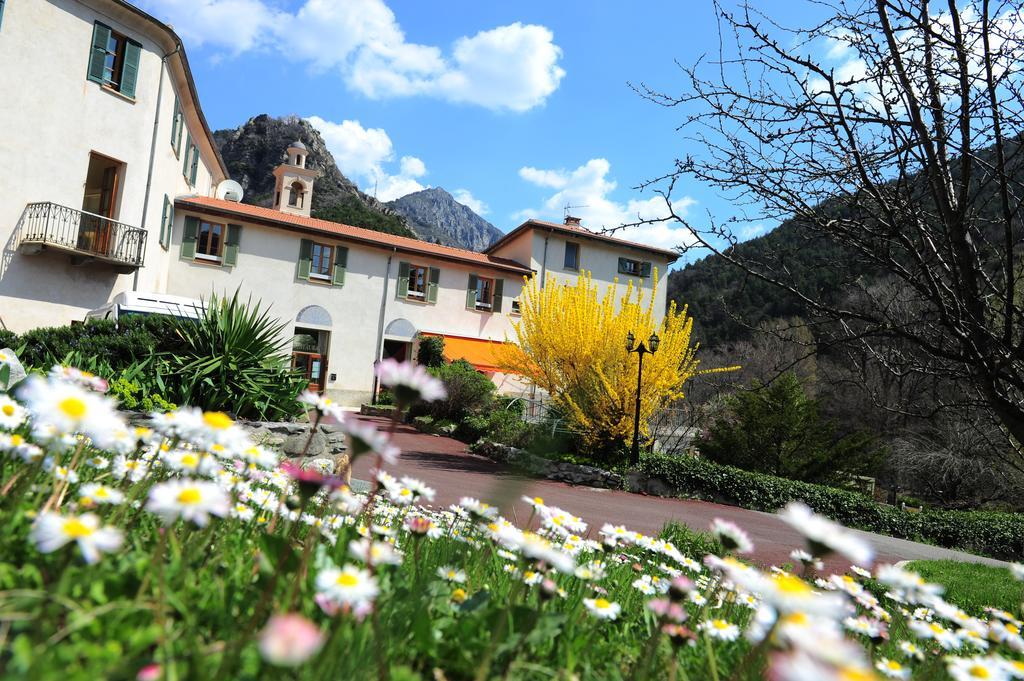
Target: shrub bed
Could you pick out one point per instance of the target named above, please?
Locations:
(1000, 535)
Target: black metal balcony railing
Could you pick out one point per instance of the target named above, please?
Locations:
(81, 233)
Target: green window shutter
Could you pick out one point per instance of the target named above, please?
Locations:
(1, 12)
(402, 290)
(340, 263)
(499, 290)
(98, 55)
(474, 282)
(305, 258)
(231, 244)
(130, 68)
(176, 127)
(166, 220)
(188, 150)
(432, 285)
(645, 269)
(193, 173)
(188, 239)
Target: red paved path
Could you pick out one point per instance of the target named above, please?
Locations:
(447, 466)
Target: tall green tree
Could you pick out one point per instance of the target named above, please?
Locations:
(778, 429)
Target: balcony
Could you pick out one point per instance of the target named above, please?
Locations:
(86, 237)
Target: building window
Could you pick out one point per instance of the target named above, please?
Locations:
(572, 256)
(634, 268)
(210, 244)
(321, 261)
(296, 195)
(484, 293)
(515, 306)
(417, 282)
(114, 60)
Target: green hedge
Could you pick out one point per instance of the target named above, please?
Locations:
(999, 535)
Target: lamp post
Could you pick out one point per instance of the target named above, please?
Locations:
(640, 350)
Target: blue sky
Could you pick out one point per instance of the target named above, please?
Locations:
(517, 108)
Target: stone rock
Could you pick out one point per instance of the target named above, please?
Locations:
(641, 483)
(296, 445)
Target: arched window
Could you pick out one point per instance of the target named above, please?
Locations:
(296, 195)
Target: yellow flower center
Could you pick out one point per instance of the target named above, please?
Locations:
(854, 674)
(101, 493)
(189, 460)
(602, 604)
(538, 500)
(7, 409)
(894, 665)
(17, 440)
(791, 585)
(1013, 628)
(979, 672)
(720, 624)
(347, 579)
(76, 529)
(189, 495)
(72, 407)
(459, 595)
(217, 420)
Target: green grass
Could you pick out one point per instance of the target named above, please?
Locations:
(973, 586)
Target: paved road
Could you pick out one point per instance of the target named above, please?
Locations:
(447, 466)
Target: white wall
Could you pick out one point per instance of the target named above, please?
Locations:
(267, 268)
(599, 258)
(51, 118)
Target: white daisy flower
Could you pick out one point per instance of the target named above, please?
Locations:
(911, 650)
(12, 414)
(351, 585)
(410, 382)
(892, 669)
(532, 577)
(71, 409)
(991, 668)
(451, 574)
(732, 537)
(825, 536)
(720, 629)
(52, 531)
(946, 638)
(132, 469)
(364, 438)
(192, 500)
(99, 493)
(377, 553)
(602, 608)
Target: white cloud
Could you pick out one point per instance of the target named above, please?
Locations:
(467, 199)
(363, 154)
(587, 189)
(512, 67)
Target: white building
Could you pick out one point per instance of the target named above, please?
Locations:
(100, 129)
(129, 194)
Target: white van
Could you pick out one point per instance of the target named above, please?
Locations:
(133, 303)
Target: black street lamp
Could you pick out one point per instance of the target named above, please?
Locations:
(641, 350)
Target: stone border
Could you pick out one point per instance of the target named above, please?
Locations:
(561, 471)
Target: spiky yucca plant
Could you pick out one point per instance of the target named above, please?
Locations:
(234, 359)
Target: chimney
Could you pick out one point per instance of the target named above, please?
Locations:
(572, 221)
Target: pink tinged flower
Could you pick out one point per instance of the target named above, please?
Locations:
(151, 672)
(410, 382)
(289, 640)
(328, 606)
(418, 525)
(364, 438)
(825, 536)
(732, 537)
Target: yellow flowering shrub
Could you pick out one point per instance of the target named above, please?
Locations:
(570, 342)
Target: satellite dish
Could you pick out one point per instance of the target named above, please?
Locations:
(229, 190)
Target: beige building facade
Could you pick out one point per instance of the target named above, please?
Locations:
(122, 189)
(100, 133)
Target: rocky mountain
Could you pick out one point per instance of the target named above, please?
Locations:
(436, 216)
(252, 151)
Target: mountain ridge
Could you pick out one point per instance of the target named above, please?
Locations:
(435, 215)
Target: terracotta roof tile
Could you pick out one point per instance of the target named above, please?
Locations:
(276, 218)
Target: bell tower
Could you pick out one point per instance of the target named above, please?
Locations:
(293, 192)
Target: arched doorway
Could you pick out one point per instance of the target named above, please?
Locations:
(310, 345)
(399, 336)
